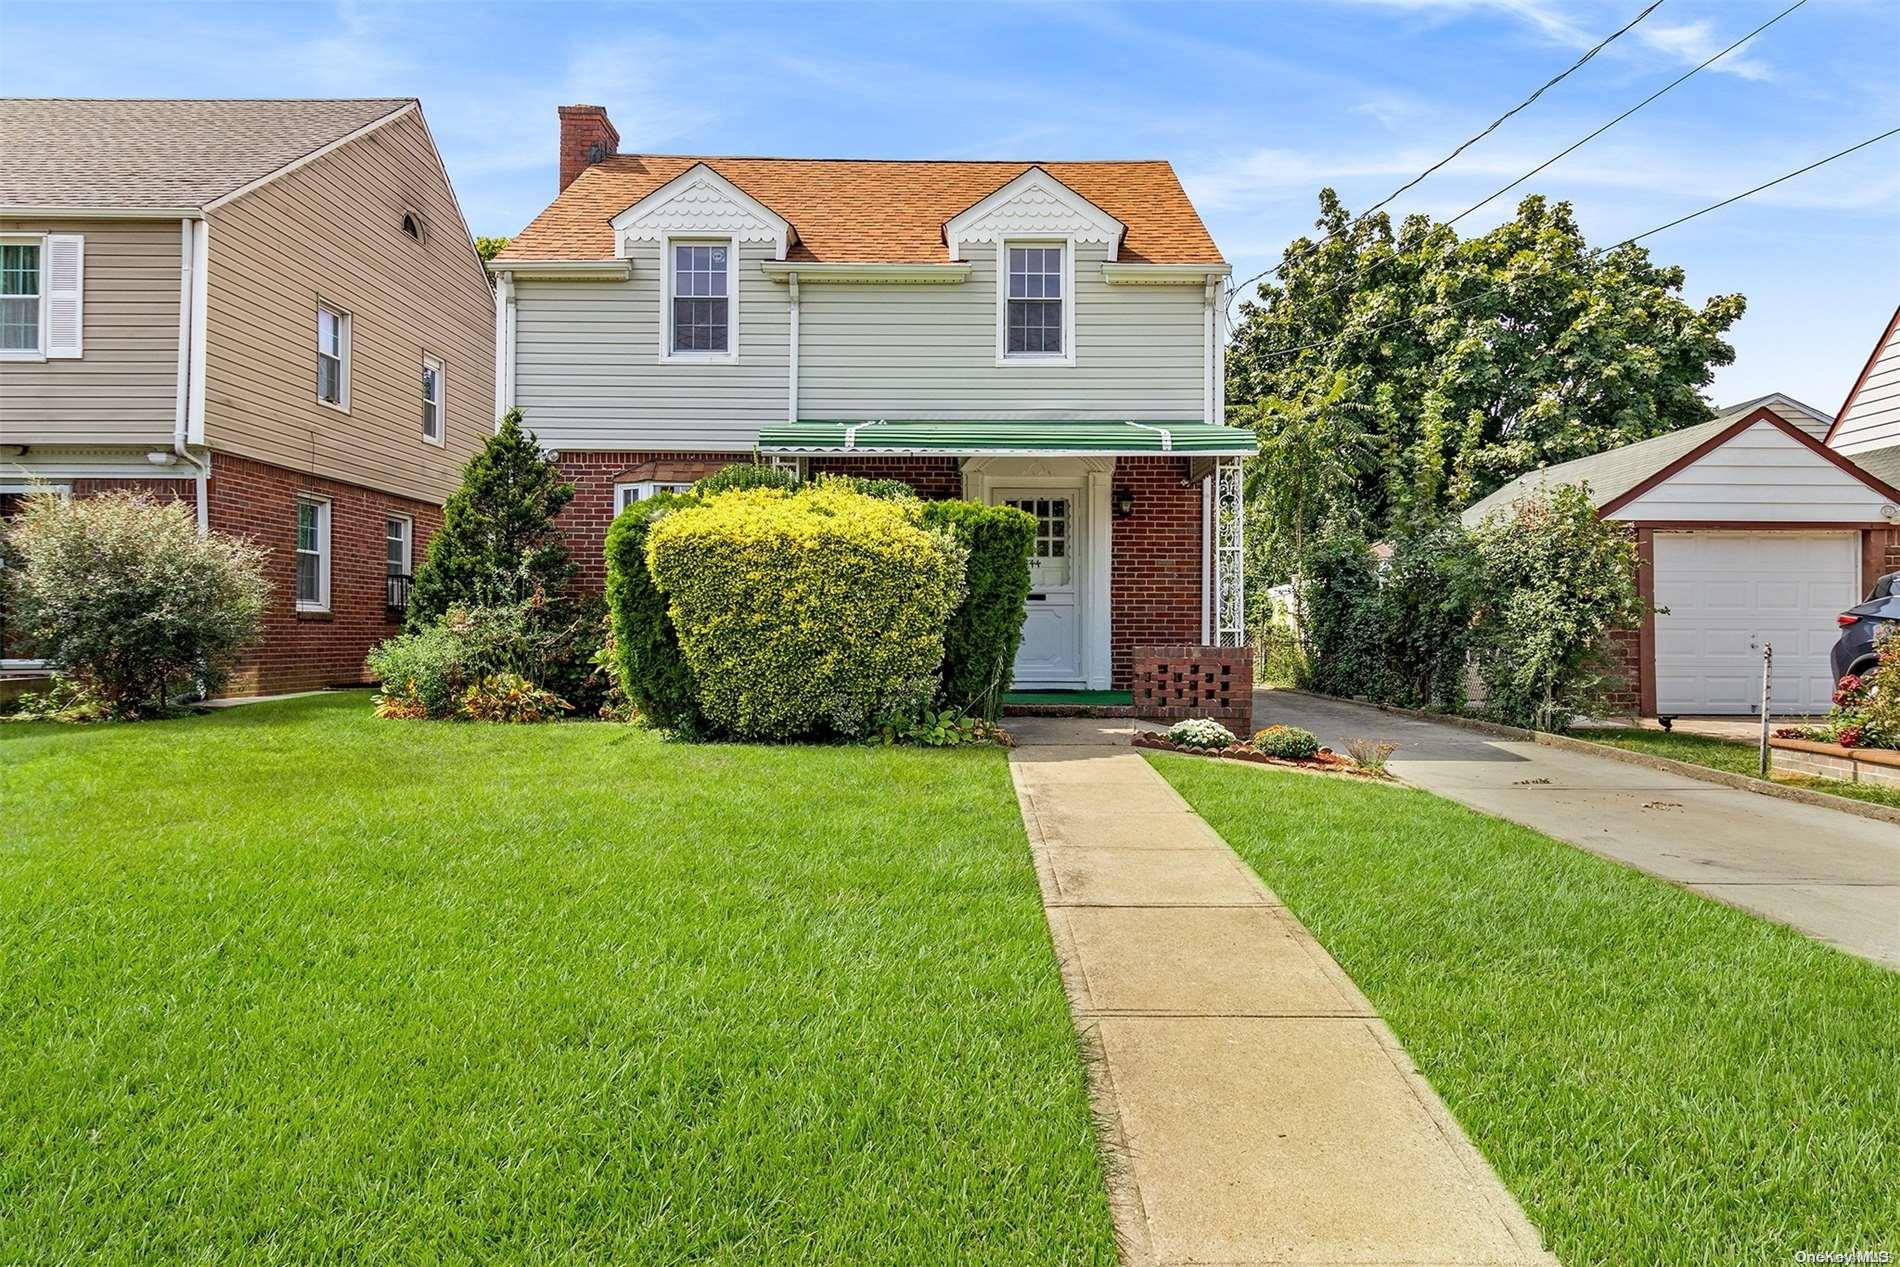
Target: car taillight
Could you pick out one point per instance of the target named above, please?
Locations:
(1845, 619)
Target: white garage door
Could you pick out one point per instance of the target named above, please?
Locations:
(1728, 593)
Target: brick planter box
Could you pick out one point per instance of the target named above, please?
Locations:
(1174, 682)
(1831, 761)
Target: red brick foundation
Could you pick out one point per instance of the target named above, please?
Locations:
(1174, 683)
(1155, 568)
(306, 650)
(584, 523)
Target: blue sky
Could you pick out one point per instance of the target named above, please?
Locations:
(1257, 105)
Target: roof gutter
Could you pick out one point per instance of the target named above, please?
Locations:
(101, 213)
(564, 270)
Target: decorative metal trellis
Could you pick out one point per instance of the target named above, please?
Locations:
(1230, 606)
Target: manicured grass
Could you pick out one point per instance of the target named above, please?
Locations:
(1658, 1077)
(1726, 754)
(288, 984)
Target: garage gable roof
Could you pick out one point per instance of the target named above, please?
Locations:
(1619, 477)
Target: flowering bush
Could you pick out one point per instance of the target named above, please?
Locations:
(1201, 732)
(1289, 743)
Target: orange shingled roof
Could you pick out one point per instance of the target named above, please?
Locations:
(867, 211)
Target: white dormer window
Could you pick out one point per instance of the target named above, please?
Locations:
(700, 305)
(1035, 311)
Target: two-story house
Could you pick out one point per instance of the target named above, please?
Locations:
(1045, 334)
(269, 309)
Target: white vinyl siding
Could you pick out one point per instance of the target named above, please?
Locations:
(588, 373)
(928, 352)
(1872, 420)
(1762, 475)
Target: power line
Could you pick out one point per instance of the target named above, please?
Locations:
(1235, 293)
(1592, 254)
(1581, 142)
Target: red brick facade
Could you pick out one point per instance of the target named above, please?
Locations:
(584, 523)
(305, 650)
(1155, 571)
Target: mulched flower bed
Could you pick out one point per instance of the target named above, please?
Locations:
(1325, 761)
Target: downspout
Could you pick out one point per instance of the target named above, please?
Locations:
(190, 357)
(504, 344)
(791, 391)
(1209, 345)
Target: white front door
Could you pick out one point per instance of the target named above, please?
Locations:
(1051, 652)
(1721, 596)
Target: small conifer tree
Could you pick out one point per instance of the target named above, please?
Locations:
(498, 544)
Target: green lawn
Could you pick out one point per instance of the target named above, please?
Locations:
(1658, 1077)
(1727, 754)
(288, 984)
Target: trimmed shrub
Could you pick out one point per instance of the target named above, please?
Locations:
(652, 669)
(1200, 732)
(884, 490)
(124, 595)
(429, 668)
(979, 644)
(744, 475)
(804, 613)
(1289, 743)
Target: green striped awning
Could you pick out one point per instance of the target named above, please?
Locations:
(1041, 439)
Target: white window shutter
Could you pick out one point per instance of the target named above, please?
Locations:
(64, 282)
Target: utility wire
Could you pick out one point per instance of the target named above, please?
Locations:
(1581, 142)
(1591, 254)
(1277, 268)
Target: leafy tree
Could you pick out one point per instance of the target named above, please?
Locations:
(489, 248)
(498, 544)
(1466, 363)
(1311, 457)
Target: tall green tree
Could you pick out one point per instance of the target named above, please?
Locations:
(498, 543)
(1312, 454)
(1465, 363)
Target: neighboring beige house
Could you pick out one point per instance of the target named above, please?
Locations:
(272, 309)
(1045, 334)
(1868, 427)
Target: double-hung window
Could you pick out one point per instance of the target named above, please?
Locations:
(20, 297)
(397, 530)
(333, 356)
(313, 554)
(1035, 324)
(626, 495)
(699, 292)
(431, 400)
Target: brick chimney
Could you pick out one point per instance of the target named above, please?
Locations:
(587, 136)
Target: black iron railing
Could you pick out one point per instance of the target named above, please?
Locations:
(399, 591)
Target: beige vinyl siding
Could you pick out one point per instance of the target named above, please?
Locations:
(588, 373)
(123, 390)
(331, 230)
(1873, 421)
(930, 351)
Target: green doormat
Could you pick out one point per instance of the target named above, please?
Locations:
(1093, 699)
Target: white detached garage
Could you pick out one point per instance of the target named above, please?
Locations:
(1751, 532)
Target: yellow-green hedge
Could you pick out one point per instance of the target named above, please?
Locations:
(806, 612)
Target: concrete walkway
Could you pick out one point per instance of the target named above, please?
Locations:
(1834, 876)
(1255, 1108)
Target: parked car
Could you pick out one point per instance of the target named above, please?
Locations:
(1860, 626)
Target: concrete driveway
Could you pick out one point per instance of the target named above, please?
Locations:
(1833, 876)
